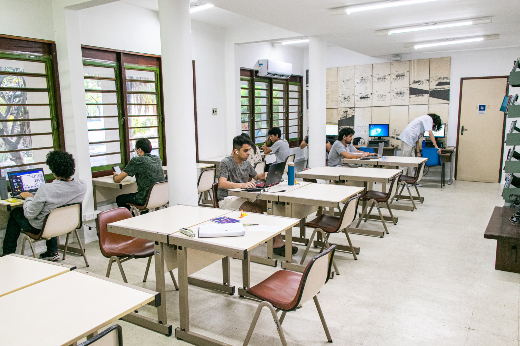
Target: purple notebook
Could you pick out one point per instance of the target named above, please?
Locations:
(224, 219)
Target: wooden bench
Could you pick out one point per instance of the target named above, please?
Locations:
(508, 239)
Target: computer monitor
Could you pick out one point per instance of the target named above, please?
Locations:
(437, 134)
(378, 130)
(331, 130)
(26, 181)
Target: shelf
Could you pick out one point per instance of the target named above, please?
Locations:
(514, 79)
(513, 111)
(513, 139)
(508, 191)
(512, 167)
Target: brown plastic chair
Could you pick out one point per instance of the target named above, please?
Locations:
(287, 291)
(206, 179)
(157, 198)
(328, 224)
(121, 248)
(214, 188)
(406, 180)
(63, 220)
(375, 197)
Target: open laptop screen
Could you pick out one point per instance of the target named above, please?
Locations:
(26, 181)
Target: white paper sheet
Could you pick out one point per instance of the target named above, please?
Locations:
(213, 230)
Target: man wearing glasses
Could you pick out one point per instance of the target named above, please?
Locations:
(147, 170)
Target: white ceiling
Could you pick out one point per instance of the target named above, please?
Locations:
(356, 31)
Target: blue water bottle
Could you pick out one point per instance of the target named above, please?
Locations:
(290, 173)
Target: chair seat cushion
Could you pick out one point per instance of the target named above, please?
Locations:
(280, 289)
(408, 179)
(328, 223)
(375, 195)
(124, 246)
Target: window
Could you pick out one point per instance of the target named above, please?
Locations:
(267, 103)
(123, 99)
(30, 114)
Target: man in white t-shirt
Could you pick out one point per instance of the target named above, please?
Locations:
(414, 131)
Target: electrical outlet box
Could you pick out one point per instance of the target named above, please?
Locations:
(213, 111)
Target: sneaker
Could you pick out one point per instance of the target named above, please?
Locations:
(50, 256)
(419, 185)
(280, 251)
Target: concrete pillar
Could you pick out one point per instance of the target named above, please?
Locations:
(317, 105)
(174, 16)
(233, 120)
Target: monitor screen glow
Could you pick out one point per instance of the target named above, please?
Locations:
(331, 130)
(437, 134)
(378, 130)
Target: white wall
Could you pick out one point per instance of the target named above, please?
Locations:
(27, 18)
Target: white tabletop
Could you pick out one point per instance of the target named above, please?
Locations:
(348, 173)
(272, 194)
(18, 272)
(159, 224)
(98, 302)
(108, 181)
(201, 165)
(389, 161)
(320, 194)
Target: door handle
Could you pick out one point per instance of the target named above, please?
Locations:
(462, 130)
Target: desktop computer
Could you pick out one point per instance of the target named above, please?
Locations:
(376, 132)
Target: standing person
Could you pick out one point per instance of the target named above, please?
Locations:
(279, 146)
(414, 131)
(62, 191)
(147, 170)
(235, 172)
(343, 148)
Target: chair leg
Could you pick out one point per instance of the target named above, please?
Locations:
(322, 318)
(370, 211)
(110, 262)
(418, 194)
(255, 319)
(391, 214)
(23, 244)
(66, 244)
(282, 317)
(411, 197)
(121, 269)
(81, 247)
(308, 246)
(31, 245)
(363, 214)
(174, 281)
(147, 268)
(351, 247)
(400, 194)
(382, 218)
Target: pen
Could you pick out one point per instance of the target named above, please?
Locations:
(250, 224)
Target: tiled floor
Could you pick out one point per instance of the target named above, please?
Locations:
(431, 281)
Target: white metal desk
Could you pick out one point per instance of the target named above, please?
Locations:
(100, 302)
(103, 187)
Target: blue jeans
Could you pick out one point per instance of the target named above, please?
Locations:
(16, 223)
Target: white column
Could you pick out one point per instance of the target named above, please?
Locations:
(317, 105)
(233, 122)
(70, 69)
(174, 16)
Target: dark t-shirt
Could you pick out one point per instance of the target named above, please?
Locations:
(148, 171)
(234, 173)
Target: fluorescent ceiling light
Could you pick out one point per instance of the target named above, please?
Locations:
(200, 7)
(434, 25)
(382, 4)
(303, 40)
(445, 43)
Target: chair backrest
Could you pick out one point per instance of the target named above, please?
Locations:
(367, 150)
(348, 214)
(260, 167)
(159, 195)
(420, 171)
(394, 186)
(316, 274)
(112, 336)
(110, 216)
(432, 155)
(289, 159)
(206, 179)
(62, 220)
(214, 188)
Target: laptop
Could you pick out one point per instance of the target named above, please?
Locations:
(274, 176)
(379, 153)
(25, 181)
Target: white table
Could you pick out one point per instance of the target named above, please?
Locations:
(105, 188)
(336, 174)
(201, 165)
(18, 272)
(82, 303)
(390, 161)
(192, 254)
(6, 206)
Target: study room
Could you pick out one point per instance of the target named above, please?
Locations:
(226, 172)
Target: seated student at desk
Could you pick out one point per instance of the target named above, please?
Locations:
(279, 146)
(147, 170)
(343, 148)
(235, 172)
(63, 190)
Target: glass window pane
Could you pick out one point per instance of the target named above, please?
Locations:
(103, 135)
(278, 102)
(103, 148)
(244, 101)
(244, 117)
(97, 71)
(259, 117)
(294, 108)
(293, 115)
(245, 109)
(105, 160)
(278, 123)
(261, 85)
(278, 108)
(102, 123)
(260, 109)
(293, 135)
(136, 86)
(19, 112)
(278, 93)
(94, 84)
(293, 123)
(278, 116)
(260, 136)
(142, 110)
(244, 92)
(154, 141)
(278, 86)
(142, 121)
(260, 93)
(99, 98)
(22, 66)
(260, 101)
(144, 132)
(293, 102)
(140, 74)
(244, 84)
(294, 87)
(24, 82)
(28, 127)
(101, 110)
(261, 125)
(22, 142)
(141, 98)
(245, 127)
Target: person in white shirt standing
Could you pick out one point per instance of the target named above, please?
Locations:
(414, 131)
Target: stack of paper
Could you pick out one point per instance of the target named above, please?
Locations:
(212, 230)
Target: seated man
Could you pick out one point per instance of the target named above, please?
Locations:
(63, 190)
(147, 170)
(235, 172)
(279, 146)
(343, 148)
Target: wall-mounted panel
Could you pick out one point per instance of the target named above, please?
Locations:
(415, 111)
(419, 81)
(363, 86)
(442, 110)
(361, 121)
(346, 86)
(332, 88)
(440, 71)
(398, 121)
(381, 85)
(346, 117)
(400, 83)
(380, 115)
(332, 115)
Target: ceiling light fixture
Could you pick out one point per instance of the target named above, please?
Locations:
(434, 25)
(451, 41)
(303, 40)
(198, 8)
(381, 4)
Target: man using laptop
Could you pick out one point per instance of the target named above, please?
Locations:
(235, 172)
(343, 148)
(62, 191)
(279, 146)
(147, 170)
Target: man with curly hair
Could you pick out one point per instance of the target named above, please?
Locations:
(62, 191)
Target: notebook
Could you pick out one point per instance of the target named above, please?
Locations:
(213, 230)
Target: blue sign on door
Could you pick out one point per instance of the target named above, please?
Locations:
(481, 109)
